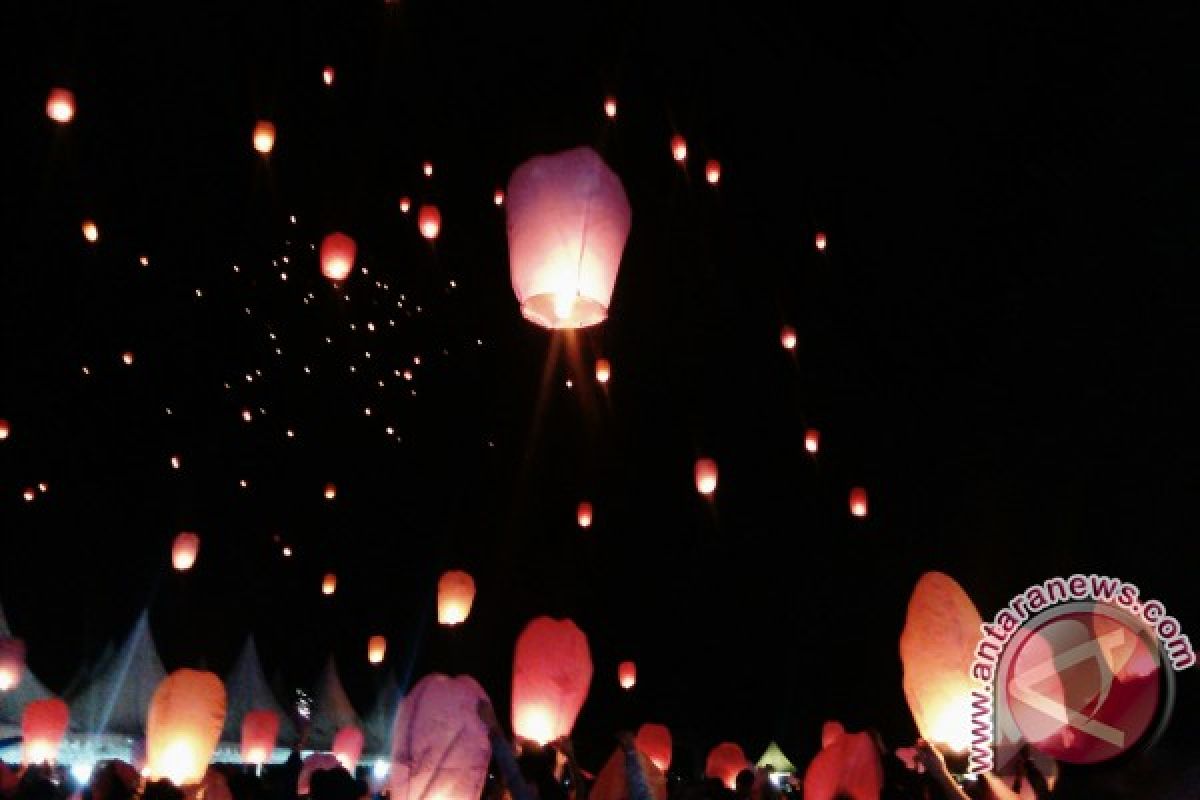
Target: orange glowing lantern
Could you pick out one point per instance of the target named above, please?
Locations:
(12, 662)
(184, 551)
(440, 747)
(348, 747)
(498, 197)
(330, 491)
(858, 502)
(260, 728)
(43, 725)
(655, 741)
(603, 370)
(568, 219)
(60, 105)
(821, 241)
(376, 648)
(429, 220)
(552, 670)
(787, 337)
(712, 171)
(627, 674)
(937, 647)
(612, 782)
(329, 584)
(405, 205)
(610, 107)
(264, 136)
(90, 232)
(5, 429)
(337, 256)
(583, 514)
(706, 476)
(184, 726)
(456, 593)
(327, 76)
(679, 148)
(812, 440)
(724, 762)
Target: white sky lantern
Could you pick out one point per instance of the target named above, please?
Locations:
(568, 219)
(60, 106)
(264, 136)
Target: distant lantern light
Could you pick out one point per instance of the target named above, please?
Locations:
(12, 662)
(568, 220)
(184, 551)
(260, 728)
(603, 370)
(583, 514)
(330, 491)
(144, 260)
(60, 105)
(4, 429)
(43, 487)
(679, 148)
(787, 337)
(712, 171)
(337, 256)
(706, 476)
(812, 440)
(184, 725)
(627, 674)
(287, 552)
(90, 231)
(327, 76)
(405, 205)
(264, 136)
(246, 415)
(29, 494)
(498, 197)
(858, 501)
(127, 358)
(610, 107)
(456, 593)
(43, 725)
(429, 220)
(329, 584)
(376, 649)
(175, 462)
(821, 241)
(427, 168)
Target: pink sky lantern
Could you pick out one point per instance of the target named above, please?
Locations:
(848, 766)
(337, 256)
(724, 762)
(456, 593)
(329, 584)
(184, 550)
(612, 782)
(264, 136)
(858, 502)
(348, 746)
(627, 674)
(405, 204)
(568, 219)
(552, 671)
(440, 747)
(498, 197)
(183, 726)
(327, 76)
(821, 241)
(5, 429)
(603, 370)
(60, 106)
(712, 171)
(787, 337)
(812, 441)
(610, 107)
(260, 729)
(12, 662)
(679, 148)
(429, 221)
(43, 725)
(376, 649)
(706, 476)
(583, 514)
(427, 169)
(655, 741)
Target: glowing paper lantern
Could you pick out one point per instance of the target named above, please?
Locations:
(60, 105)
(43, 725)
(679, 148)
(820, 241)
(337, 256)
(427, 168)
(937, 648)
(184, 726)
(429, 220)
(847, 767)
(610, 107)
(348, 746)
(12, 661)
(264, 136)
(812, 440)
(376, 648)
(724, 762)
(706, 476)
(405, 205)
(655, 741)
(568, 219)
(498, 197)
(787, 337)
(456, 592)
(5, 429)
(330, 491)
(184, 551)
(858, 501)
(90, 231)
(603, 370)
(327, 76)
(627, 674)
(552, 670)
(440, 747)
(612, 782)
(712, 171)
(127, 358)
(329, 583)
(583, 514)
(260, 728)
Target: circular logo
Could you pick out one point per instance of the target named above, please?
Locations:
(1084, 684)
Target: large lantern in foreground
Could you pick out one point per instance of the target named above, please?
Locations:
(440, 747)
(337, 257)
(627, 674)
(376, 649)
(937, 648)
(260, 728)
(43, 725)
(348, 747)
(184, 726)
(456, 593)
(12, 662)
(706, 476)
(552, 670)
(724, 762)
(60, 105)
(568, 219)
(655, 741)
(184, 551)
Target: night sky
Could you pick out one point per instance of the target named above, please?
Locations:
(998, 343)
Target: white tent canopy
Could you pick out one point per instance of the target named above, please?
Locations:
(246, 690)
(331, 711)
(379, 721)
(13, 702)
(118, 697)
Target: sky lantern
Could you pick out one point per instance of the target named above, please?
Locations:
(427, 169)
(937, 647)
(847, 766)
(812, 440)
(552, 670)
(610, 107)
(820, 241)
(348, 747)
(679, 148)
(376, 649)
(787, 337)
(612, 782)
(60, 105)
(184, 551)
(712, 171)
(184, 726)
(90, 232)
(429, 220)
(127, 358)
(498, 197)
(706, 476)
(405, 204)
(330, 491)
(260, 728)
(337, 256)
(43, 725)
(327, 76)
(264, 136)
(655, 741)
(5, 429)
(724, 762)
(440, 747)
(329, 584)
(568, 219)
(583, 514)
(858, 502)
(12, 662)
(627, 674)
(456, 593)
(603, 370)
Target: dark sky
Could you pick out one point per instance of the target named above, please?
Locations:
(999, 342)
